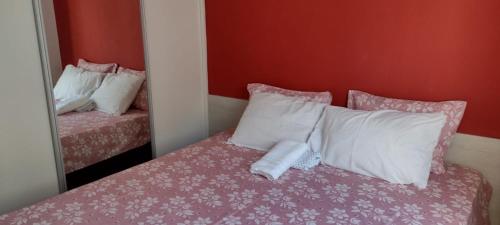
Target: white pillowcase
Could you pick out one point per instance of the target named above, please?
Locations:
(117, 92)
(271, 118)
(391, 145)
(77, 82)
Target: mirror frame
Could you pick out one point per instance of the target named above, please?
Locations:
(47, 78)
(48, 83)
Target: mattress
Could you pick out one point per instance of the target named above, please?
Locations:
(90, 137)
(209, 183)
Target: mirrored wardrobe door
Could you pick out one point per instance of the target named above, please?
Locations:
(95, 59)
(27, 168)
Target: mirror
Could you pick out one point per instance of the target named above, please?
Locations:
(95, 59)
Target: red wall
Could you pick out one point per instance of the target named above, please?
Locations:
(100, 31)
(426, 50)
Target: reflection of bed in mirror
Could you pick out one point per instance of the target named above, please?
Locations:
(91, 137)
(102, 112)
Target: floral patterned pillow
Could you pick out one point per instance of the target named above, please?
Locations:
(95, 67)
(321, 97)
(141, 99)
(454, 111)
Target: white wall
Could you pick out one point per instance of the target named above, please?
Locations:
(176, 63)
(483, 154)
(27, 167)
(476, 152)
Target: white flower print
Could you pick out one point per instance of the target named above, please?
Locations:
(276, 197)
(231, 220)
(363, 207)
(241, 200)
(71, 214)
(414, 107)
(132, 187)
(137, 207)
(155, 219)
(208, 197)
(192, 151)
(284, 178)
(366, 209)
(180, 167)
(199, 221)
(379, 216)
(263, 215)
(399, 188)
(223, 180)
(333, 171)
(456, 185)
(363, 100)
(92, 189)
(460, 201)
(188, 183)
(179, 206)
(433, 189)
(149, 201)
(389, 104)
(339, 193)
(231, 162)
(320, 178)
(471, 178)
(442, 211)
(20, 219)
(204, 161)
(107, 205)
(409, 214)
(161, 180)
(371, 192)
(219, 152)
(307, 216)
(301, 188)
(340, 216)
(31, 212)
(42, 223)
(366, 190)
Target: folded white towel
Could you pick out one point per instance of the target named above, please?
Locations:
(71, 104)
(279, 159)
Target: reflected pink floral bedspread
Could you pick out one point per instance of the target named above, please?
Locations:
(209, 183)
(90, 137)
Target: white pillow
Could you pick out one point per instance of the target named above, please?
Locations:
(391, 145)
(271, 118)
(117, 92)
(77, 82)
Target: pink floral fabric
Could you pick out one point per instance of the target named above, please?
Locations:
(321, 97)
(90, 137)
(209, 183)
(95, 67)
(454, 111)
(141, 100)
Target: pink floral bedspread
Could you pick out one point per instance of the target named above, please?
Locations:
(90, 137)
(209, 183)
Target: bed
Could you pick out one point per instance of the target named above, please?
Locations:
(209, 183)
(90, 137)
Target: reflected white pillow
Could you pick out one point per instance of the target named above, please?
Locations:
(116, 93)
(77, 82)
(391, 145)
(271, 118)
